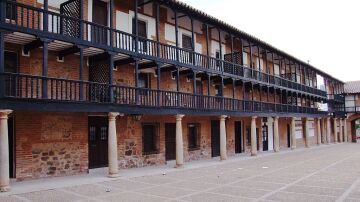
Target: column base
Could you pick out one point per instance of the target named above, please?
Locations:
(113, 175)
(223, 158)
(253, 154)
(5, 189)
(179, 166)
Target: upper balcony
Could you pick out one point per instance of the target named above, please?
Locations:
(58, 27)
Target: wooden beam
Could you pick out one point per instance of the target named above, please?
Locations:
(147, 65)
(33, 45)
(124, 61)
(68, 51)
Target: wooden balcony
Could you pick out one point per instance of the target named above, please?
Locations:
(27, 19)
(30, 88)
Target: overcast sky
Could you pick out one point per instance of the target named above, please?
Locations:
(325, 32)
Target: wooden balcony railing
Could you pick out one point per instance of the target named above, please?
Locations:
(22, 86)
(27, 18)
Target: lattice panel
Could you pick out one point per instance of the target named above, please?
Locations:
(99, 72)
(69, 26)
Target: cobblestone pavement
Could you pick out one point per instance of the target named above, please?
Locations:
(325, 173)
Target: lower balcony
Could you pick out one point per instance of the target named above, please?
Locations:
(29, 88)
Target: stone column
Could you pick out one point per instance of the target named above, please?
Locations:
(293, 136)
(335, 132)
(179, 142)
(323, 130)
(318, 131)
(276, 135)
(345, 131)
(306, 122)
(253, 136)
(4, 151)
(112, 148)
(223, 152)
(341, 131)
(328, 130)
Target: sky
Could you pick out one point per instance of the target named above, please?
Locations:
(324, 32)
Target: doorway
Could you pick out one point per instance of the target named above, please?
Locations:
(288, 135)
(238, 137)
(170, 141)
(265, 136)
(11, 136)
(100, 16)
(98, 142)
(215, 138)
(11, 66)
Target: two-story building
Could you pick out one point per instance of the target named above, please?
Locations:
(130, 83)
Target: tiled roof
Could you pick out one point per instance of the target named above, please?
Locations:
(352, 87)
(230, 27)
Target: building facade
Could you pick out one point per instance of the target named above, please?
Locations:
(131, 83)
(352, 108)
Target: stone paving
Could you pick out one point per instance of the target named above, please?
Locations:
(320, 173)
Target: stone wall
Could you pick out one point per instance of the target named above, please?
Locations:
(50, 144)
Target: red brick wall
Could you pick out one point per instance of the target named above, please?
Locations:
(50, 144)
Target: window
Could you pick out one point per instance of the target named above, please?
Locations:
(144, 80)
(218, 90)
(150, 138)
(245, 59)
(187, 42)
(194, 136)
(142, 33)
(276, 70)
(218, 57)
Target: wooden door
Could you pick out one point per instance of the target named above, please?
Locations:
(238, 136)
(170, 141)
(11, 135)
(215, 138)
(265, 136)
(98, 142)
(100, 16)
(288, 135)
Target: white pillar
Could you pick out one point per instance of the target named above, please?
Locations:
(293, 135)
(306, 122)
(112, 146)
(253, 136)
(4, 151)
(179, 141)
(341, 131)
(328, 130)
(318, 131)
(276, 135)
(345, 131)
(223, 152)
(335, 131)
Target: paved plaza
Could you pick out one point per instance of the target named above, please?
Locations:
(320, 173)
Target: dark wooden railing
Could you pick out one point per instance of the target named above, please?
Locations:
(29, 17)
(22, 86)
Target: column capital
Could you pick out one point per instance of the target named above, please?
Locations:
(179, 117)
(113, 115)
(254, 117)
(5, 113)
(223, 117)
(276, 117)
